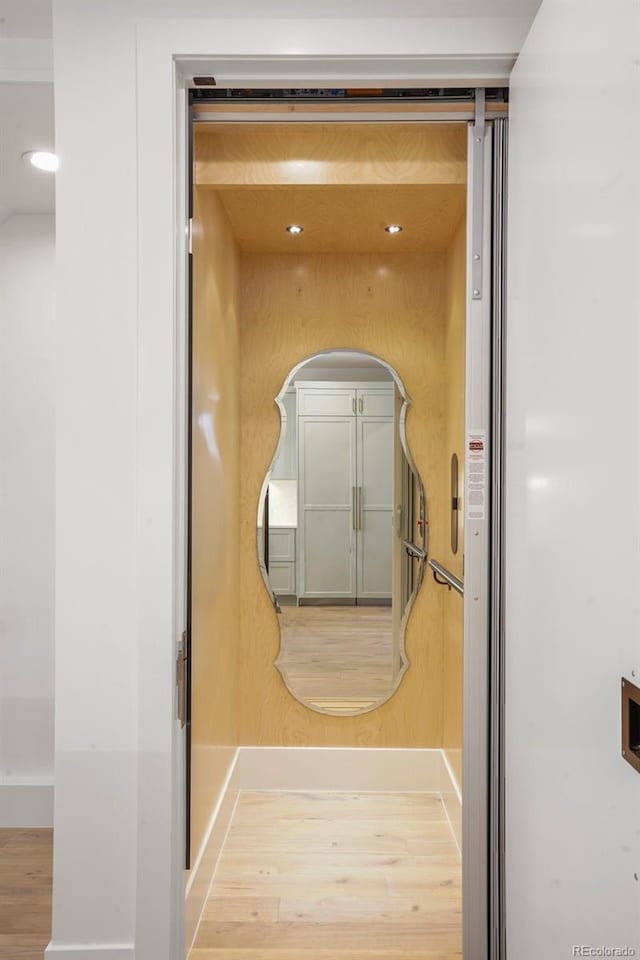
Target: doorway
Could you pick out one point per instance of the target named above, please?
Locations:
(259, 304)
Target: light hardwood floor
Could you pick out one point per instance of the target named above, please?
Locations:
(337, 656)
(335, 876)
(25, 893)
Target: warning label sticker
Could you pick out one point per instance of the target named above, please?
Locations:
(476, 474)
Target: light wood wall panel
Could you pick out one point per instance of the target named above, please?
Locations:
(454, 443)
(216, 480)
(273, 154)
(292, 306)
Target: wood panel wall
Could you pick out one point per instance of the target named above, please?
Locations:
(216, 484)
(454, 425)
(293, 305)
(271, 154)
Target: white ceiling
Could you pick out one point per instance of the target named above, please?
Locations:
(26, 123)
(29, 19)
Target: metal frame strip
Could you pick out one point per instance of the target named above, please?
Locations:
(497, 904)
(475, 807)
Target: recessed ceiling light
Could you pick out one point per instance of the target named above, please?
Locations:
(42, 159)
(393, 228)
(294, 229)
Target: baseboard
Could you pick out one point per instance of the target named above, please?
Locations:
(452, 798)
(91, 951)
(26, 802)
(338, 768)
(206, 860)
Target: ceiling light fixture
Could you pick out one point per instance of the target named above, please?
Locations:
(294, 229)
(393, 228)
(42, 159)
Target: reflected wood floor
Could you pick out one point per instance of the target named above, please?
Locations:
(337, 656)
(25, 893)
(335, 876)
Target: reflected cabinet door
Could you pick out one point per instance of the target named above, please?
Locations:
(375, 486)
(327, 484)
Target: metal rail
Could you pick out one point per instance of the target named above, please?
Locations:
(414, 551)
(448, 579)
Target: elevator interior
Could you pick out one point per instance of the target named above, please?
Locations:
(311, 309)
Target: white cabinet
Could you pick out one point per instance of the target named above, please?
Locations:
(374, 457)
(318, 400)
(374, 403)
(345, 491)
(326, 520)
(286, 463)
(282, 560)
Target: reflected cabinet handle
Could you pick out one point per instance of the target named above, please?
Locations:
(354, 505)
(360, 508)
(360, 404)
(353, 404)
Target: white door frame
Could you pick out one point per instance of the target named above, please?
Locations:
(163, 64)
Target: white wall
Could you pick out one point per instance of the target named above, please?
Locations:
(573, 536)
(115, 618)
(27, 518)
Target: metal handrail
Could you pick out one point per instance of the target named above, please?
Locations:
(448, 579)
(413, 550)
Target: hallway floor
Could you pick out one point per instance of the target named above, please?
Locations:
(26, 857)
(335, 876)
(337, 656)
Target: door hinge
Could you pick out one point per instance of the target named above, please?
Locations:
(181, 679)
(190, 234)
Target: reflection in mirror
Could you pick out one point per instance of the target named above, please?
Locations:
(342, 532)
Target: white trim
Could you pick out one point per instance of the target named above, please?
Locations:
(452, 778)
(200, 877)
(212, 821)
(368, 769)
(91, 951)
(26, 802)
(213, 844)
(451, 799)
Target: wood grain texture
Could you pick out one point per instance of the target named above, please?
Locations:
(277, 154)
(292, 306)
(216, 462)
(26, 858)
(267, 901)
(453, 607)
(341, 219)
(342, 656)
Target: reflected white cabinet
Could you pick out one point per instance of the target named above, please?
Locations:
(282, 560)
(374, 469)
(345, 491)
(286, 463)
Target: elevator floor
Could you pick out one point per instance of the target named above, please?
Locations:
(335, 876)
(26, 857)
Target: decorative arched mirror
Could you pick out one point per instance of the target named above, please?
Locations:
(342, 532)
